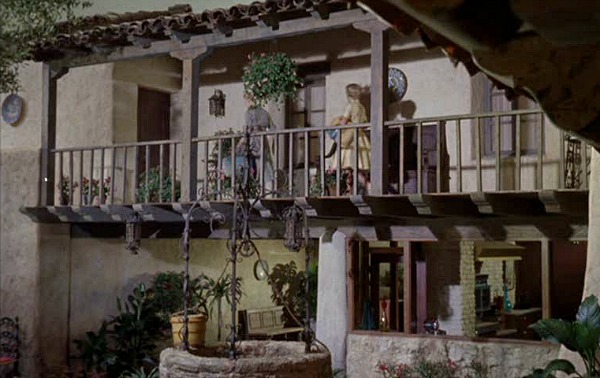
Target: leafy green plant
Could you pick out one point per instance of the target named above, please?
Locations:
(287, 285)
(167, 295)
(95, 352)
(135, 329)
(140, 373)
(581, 336)
(126, 341)
(23, 24)
(150, 190)
(221, 290)
(270, 77)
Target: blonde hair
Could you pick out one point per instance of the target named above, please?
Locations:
(353, 91)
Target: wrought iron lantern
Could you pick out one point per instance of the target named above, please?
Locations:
(294, 234)
(216, 104)
(133, 234)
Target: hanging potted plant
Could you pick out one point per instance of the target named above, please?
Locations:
(270, 77)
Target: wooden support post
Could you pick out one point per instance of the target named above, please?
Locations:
(50, 77)
(380, 46)
(421, 287)
(190, 84)
(407, 260)
(545, 262)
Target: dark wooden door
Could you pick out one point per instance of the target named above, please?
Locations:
(567, 273)
(154, 113)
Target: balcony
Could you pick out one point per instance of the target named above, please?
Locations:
(470, 165)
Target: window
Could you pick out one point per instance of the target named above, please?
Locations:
(308, 110)
(495, 101)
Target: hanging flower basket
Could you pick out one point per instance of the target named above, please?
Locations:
(270, 77)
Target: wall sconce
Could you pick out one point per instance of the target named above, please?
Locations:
(294, 234)
(216, 104)
(133, 234)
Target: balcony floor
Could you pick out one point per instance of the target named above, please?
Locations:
(552, 210)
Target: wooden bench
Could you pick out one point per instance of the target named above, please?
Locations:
(266, 323)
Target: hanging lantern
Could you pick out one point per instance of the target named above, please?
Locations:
(294, 233)
(216, 104)
(133, 235)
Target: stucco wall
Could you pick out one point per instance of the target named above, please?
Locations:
(503, 358)
(19, 253)
(116, 272)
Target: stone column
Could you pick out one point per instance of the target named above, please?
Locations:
(332, 306)
(467, 284)
(592, 269)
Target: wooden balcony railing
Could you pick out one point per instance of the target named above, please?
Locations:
(509, 151)
(118, 174)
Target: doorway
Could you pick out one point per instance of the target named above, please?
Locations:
(154, 113)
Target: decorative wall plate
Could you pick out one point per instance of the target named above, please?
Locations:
(397, 84)
(261, 270)
(12, 109)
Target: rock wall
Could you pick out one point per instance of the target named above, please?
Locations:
(505, 359)
(257, 359)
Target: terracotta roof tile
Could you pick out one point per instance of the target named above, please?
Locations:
(122, 29)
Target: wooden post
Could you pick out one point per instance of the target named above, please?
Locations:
(50, 77)
(421, 287)
(545, 262)
(190, 85)
(407, 260)
(380, 46)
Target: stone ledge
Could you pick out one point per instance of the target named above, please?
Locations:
(257, 359)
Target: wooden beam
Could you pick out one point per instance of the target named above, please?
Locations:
(380, 47)
(546, 279)
(190, 85)
(407, 261)
(50, 77)
(247, 35)
(351, 261)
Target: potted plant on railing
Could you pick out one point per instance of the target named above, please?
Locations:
(149, 188)
(65, 190)
(270, 77)
(96, 189)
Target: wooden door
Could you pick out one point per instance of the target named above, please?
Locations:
(154, 113)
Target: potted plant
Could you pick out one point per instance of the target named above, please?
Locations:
(150, 190)
(198, 298)
(96, 190)
(65, 190)
(270, 77)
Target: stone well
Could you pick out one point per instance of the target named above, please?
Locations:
(256, 359)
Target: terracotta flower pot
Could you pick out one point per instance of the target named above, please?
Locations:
(196, 329)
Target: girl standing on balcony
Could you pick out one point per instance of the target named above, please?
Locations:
(354, 113)
(256, 119)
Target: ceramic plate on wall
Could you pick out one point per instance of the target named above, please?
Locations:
(12, 108)
(397, 83)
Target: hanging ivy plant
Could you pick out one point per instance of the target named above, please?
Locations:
(270, 77)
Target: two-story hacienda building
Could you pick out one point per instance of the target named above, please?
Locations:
(472, 203)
